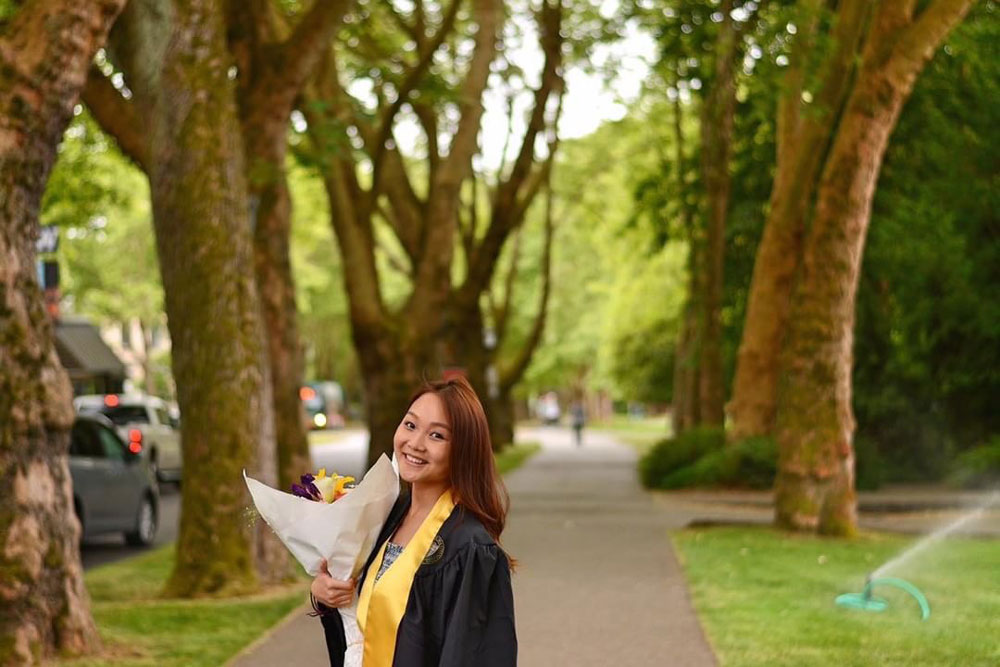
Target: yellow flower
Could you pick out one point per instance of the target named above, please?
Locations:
(331, 487)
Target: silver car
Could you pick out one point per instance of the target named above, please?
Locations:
(143, 419)
(114, 490)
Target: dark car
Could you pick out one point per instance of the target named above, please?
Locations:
(114, 490)
(322, 402)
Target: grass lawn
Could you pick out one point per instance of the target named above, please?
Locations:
(140, 628)
(766, 598)
(641, 434)
(512, 457)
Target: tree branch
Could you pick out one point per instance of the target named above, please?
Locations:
(312, 34)
(919, 41)
(428, 121)
(510, 375)
(550, 19)
(395, 261)
(489, 16)
(327, 110)
(118, 117)
(413, 77)
(433, 273)
(508, 209)
(501, 313)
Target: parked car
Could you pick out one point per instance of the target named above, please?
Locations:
(323, 403)
(146, 420)
(114, 489)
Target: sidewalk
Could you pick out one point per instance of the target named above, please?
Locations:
(597, 584)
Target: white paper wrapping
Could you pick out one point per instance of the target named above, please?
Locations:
(342, 532)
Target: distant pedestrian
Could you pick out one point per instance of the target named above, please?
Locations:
(577, 418)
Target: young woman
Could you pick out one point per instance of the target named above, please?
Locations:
(436, 589)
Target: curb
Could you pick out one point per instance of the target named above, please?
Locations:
(267, 634)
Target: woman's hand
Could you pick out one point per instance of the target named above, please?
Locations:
(332, 592)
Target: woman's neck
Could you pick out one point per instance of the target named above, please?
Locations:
(424, 496)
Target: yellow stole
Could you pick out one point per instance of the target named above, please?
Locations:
(381, 604)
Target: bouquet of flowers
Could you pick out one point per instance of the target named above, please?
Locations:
(325, 517)
(319, 487)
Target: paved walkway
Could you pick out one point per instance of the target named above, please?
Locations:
(598, 583)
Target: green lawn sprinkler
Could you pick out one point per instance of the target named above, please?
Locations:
(868, 602)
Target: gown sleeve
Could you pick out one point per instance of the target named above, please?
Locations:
(479, 624)
(333, 630)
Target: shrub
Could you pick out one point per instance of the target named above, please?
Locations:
(871, 468)
(672, 454)
(700, 458)
(978, 467)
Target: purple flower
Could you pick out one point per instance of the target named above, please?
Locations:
(302, 492)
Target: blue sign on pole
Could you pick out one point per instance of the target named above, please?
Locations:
(48, 240)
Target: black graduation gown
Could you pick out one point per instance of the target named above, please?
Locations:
(460, 611)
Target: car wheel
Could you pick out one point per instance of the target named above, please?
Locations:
(154, 467)
(145, 525)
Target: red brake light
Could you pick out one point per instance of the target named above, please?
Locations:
(305, 393)
(135, 435)
(111, 400)
(134, 447)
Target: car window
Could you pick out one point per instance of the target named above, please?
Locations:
(112, 446)
(126, 414)
(85, 441)
(163, 416)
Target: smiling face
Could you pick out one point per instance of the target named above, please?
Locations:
(423, 442)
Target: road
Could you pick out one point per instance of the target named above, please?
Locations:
(344, 452)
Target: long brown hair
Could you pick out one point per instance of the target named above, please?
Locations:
(475, 484)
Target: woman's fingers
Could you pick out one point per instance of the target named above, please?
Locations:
(341, 584)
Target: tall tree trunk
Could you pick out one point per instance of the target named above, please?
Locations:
(267, 94)
(392, 370)
(718, 111)
(200, 215)
(684, 409)
(273, 73)
(686, 406)
(802, 141)
(814, 489)
(272, 233)
(45, 51)
(502, 420)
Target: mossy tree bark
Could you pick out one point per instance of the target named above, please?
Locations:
(201, 219)
(698, 392)
(718, 112)
(814, 489)
(181, 125)
(45, 51)
(274, 64)
(684, 408)
(803, 137)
